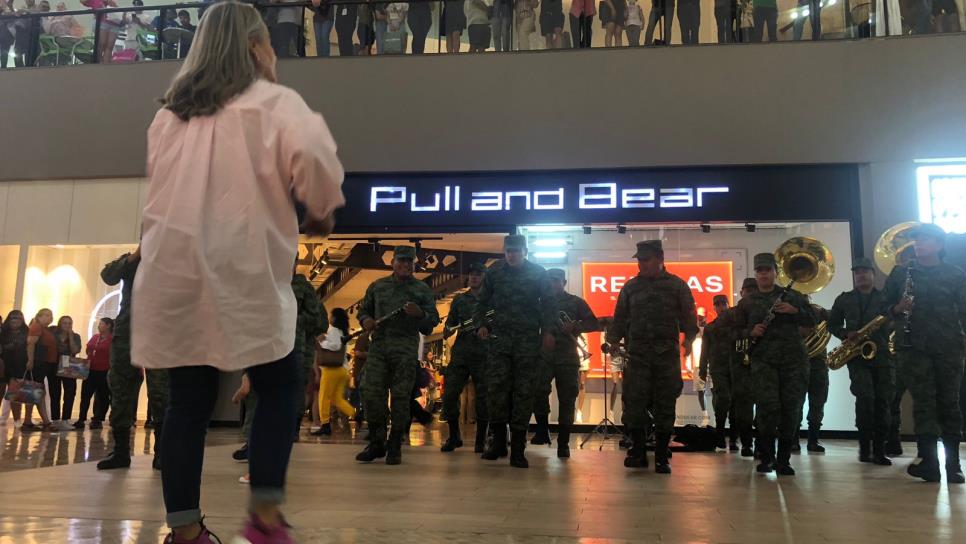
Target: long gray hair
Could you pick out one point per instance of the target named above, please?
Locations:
(219, 65)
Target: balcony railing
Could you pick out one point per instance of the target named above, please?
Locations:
(34, 35)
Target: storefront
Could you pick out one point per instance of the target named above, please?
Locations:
(711, 220)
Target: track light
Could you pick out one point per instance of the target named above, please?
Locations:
(587, 229)
(750, 227)
(621, 229)
(705, 228)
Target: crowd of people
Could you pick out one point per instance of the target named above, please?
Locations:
(369, 28)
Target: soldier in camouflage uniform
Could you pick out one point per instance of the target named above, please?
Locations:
(873, 381)
(779, 363)
(468, 360)
(717, 349)
(652, 310)
(312, 321)
(742, 383)
(562, 365)
(124, 378)
(816, 384)
(407, 308)
(524, 311)
(931, 356)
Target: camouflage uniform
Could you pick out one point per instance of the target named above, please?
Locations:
(742, 389)
(649, 316)
(873, 381)
(779, 365)
(124, 379)
(468, 360)
(393, 355)
(931, 358)
(817, 384)
(523, 305)
(717, 350)
(311, 321)
(563, 364)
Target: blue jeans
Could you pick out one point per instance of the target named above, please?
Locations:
(323, 29)
(192, 396)
(381, 28)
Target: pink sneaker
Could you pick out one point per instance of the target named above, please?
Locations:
(205, 537)
(255, 532)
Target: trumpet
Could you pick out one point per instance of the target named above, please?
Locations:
(563, 318)
(861, 345)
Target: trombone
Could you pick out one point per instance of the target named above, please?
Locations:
(563, 318)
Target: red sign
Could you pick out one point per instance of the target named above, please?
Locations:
(603, 282)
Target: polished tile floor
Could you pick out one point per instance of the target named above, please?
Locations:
(49, 494)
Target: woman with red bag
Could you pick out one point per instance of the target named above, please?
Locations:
(41, 363)
(99, 356)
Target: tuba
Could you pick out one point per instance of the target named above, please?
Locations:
(817, 341)
(862, 345)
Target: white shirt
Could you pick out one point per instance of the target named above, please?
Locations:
(220, 232)
(333, 339)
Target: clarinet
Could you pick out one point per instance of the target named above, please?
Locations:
(910, 293)
(769, 317)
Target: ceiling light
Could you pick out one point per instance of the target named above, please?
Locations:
(550, 242)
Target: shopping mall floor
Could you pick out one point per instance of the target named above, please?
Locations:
(50, 492)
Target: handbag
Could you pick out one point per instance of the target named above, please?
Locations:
(73, 368)
(24, 391)
(330, 358)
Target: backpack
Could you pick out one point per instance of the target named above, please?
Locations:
(697, 438)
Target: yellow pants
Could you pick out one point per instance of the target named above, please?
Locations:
(332, 391)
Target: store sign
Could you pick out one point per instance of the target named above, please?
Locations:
(604, 281)
(467, 201)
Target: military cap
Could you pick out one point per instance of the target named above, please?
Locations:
(557, 274)
(404, 252)
(515, 241)
(765, 259)
(929, 230)
(477, 268)
(862, 262)
(749, 283)
(719, 299)
(646, 247)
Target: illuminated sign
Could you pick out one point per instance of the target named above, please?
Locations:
(590, 196)
(602, 283)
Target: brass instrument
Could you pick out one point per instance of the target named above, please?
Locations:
(564, 318)
(818, 340)
(892, 244)
(470, 324)
(806, 264)
(861, 345)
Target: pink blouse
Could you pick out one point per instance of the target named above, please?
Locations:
(220, 234)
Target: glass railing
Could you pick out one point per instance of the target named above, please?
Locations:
(34, 34)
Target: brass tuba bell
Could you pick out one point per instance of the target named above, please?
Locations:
(892, 244)
(806, 261)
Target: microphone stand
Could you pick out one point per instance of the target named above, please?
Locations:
(604, 427)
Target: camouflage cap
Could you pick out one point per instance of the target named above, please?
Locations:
(404, 252)
(557, 274)
(646, 248)
(749, 283)
(863, 262)
(765, 259)
(515, 241)
(719, 299)
(930, 230)
(477, 268)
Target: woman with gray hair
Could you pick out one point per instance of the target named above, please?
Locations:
(230, 157)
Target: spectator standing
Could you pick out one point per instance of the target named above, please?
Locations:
(7, 35)
(323, 19)
(13, 351)
(396, 13)
(184, 23)
(284, 26)
(766, 16)
(725, 15)
(612, 18)
(110, 25)
(660, 9)
(365, 31)
(27, 35)
(552, 22)
(68, 345)
(42, 363)
(524, 15)
(582, 22)
(478, 24)
(634, 23)
(345, 25)
(454, 21)
(380, 23)
(500, 24)
(99, 356)
(420, 20)
(689, 17)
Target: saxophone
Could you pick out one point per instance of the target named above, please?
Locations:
(861, 345)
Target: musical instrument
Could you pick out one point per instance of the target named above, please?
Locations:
(470, 324)
(379, 321)
(807, 264)
(563, 318)
(818, 340)
(908, 292)
(861, 345)
(891, 245)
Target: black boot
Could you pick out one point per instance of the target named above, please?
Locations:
(747, 445)
(480, 444)
(813, 445)
(894, 444)
(954, 472)
(454, 441)
(518, 442)
(719, 439)
(156, 462)
(879, 452)
(376, 448)
(865, 447)
(121, 456)
(496, 447)
(662, 457)
(784, 466)
(766, 454)
(542, 434)
(637, 453)
(926, 466)
(394, 448)
(563, 441)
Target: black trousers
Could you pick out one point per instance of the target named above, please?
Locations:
(689, 17)
(420, 20)
(95, 386)
(766, 17)
(345, 27)
(725, 17)
(581, 31)
(284, 36)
